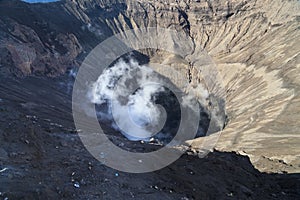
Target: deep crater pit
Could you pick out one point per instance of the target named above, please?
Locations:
(137, 104)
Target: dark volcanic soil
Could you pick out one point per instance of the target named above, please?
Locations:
(41, 157)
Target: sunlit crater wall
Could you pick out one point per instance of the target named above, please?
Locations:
(255, 45)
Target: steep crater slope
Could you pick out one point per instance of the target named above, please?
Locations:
(255, 45)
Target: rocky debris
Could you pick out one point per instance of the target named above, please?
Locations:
(28, 54)
(29, 43)
(37, 169)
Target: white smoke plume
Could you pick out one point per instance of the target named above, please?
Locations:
(129, 89)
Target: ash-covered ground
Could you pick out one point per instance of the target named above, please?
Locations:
(42, 157)
(255, 47)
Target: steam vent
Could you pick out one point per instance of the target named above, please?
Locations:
(238, 58)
